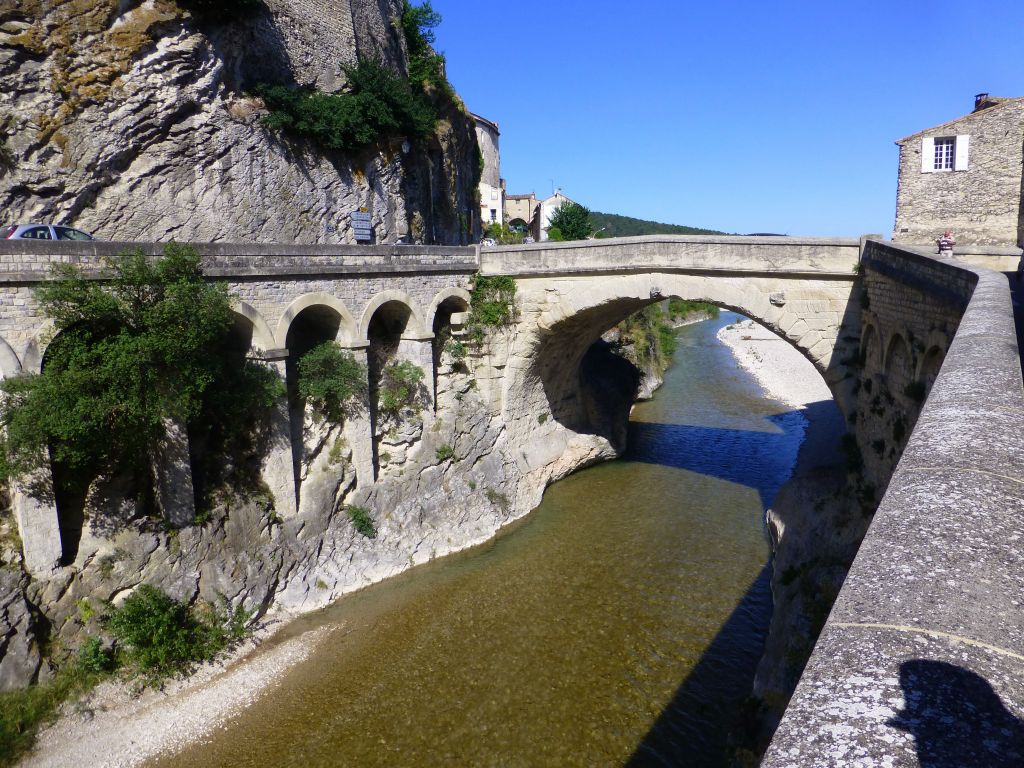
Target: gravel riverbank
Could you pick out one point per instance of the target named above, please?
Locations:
(112, 728)
(784, 373)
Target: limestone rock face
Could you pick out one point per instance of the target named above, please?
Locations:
(19, 653)
(134, 121)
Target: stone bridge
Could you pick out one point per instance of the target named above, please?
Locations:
(901, 338)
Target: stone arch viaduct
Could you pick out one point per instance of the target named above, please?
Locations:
(920, 354)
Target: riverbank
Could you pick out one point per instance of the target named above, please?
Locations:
(783, 373)
(112, 727)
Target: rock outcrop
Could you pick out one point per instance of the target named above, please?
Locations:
(134, 121)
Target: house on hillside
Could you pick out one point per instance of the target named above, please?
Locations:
(545, 208)
(966, 175)
(492, 186)
(532, 216)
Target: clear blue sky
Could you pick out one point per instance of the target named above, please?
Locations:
(738, 116)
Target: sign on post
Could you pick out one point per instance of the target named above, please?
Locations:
(361, 227)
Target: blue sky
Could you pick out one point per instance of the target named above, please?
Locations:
(738, 116)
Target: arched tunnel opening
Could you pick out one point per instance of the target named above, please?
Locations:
(224, 449)
(588, 387)
(311, 327)
(384, 332)
(442, 328)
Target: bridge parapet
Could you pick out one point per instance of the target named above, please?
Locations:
(823, 257)
(27, 260)
(922, 657)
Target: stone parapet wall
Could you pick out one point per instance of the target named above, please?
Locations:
(821, 256)
(268, 279)
(923, 654)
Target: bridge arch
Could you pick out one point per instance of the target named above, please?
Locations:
(897, 356)
(870, 349)
(347, 328)
(262, 337)
(563, 318)
(457, 298)
(414, 328)
(10, 365)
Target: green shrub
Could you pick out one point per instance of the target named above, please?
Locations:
(492, 301)
(379, 105)
(502, 235)
(401, 387)
(647, 340)
(444, 453)
(331, 380)
(570, 221)
(93, 657)
(455, 349)
(683, 307)
(497, 498)
(23, 711)
(157, 636)
(361, 520)
(426, 66)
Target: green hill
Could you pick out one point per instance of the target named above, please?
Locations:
(614, 225)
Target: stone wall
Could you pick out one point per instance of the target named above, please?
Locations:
(982, 204)
(920, 659)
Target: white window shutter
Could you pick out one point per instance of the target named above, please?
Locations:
(927, 154)
(960, 160)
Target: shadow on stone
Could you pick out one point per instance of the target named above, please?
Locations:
(956, 718)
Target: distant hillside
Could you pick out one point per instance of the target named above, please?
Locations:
(626, 226)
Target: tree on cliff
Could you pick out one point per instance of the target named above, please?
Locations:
(570, 221)
(149, 344)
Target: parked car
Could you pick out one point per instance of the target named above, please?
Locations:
(43, 232)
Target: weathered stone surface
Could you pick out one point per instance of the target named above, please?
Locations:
(19, 650)
(139, 124)
(982, 203)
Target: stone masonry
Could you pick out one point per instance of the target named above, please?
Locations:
(981, 203)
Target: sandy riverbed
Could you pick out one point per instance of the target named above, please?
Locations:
(111, 728)
(784, 373)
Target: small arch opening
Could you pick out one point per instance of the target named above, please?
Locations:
(442, 328)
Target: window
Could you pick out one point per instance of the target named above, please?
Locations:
(941, 154)
(494, 214)
(944, 154)
(36, 233)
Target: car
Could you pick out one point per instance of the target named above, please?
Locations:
(43, 232)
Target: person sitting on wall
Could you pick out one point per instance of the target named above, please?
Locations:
(946, 243)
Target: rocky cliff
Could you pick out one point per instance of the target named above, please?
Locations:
(135, 121)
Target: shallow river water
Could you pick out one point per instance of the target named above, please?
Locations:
(619, 623)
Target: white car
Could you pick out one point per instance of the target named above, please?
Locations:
(43, 232)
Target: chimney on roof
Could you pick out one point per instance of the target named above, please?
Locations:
(981, 101)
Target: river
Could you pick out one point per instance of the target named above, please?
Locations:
(619, 623)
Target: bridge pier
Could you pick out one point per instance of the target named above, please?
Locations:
(35, 511)
(278, 471)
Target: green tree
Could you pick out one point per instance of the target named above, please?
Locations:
(148, 343)
(425, 64)
(331, 380)
(570, 221)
